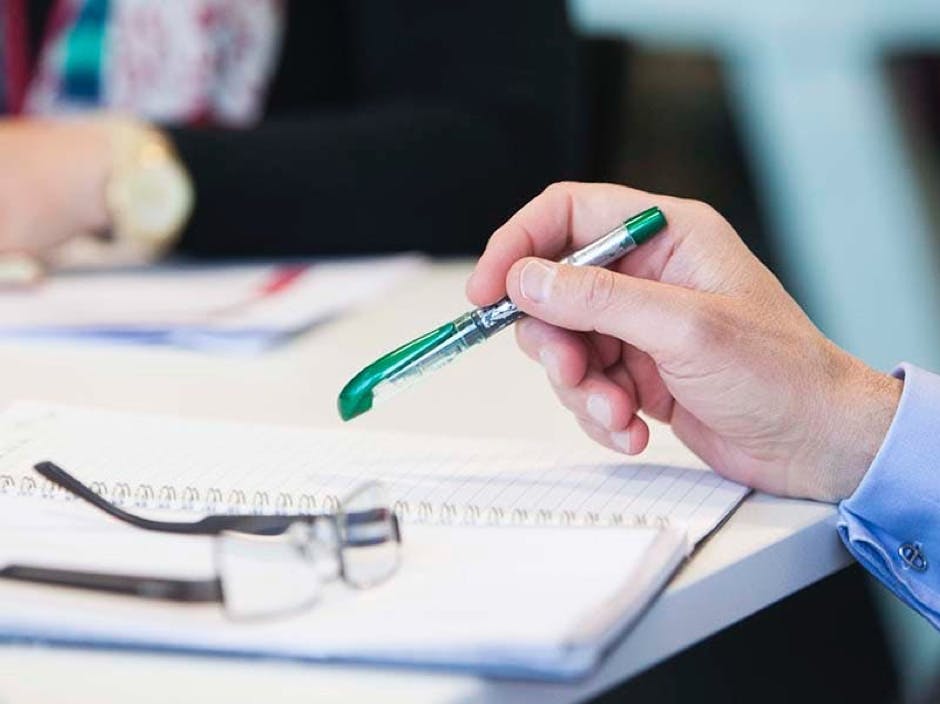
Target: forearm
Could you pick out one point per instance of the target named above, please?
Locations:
(389, 178)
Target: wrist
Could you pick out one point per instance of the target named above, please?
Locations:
(863, 407)
(94, 155)
(131, 186)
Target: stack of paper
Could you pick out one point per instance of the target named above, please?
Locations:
(236, 309)
(518, 559)
(522, 602)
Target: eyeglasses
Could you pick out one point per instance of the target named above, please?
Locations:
(265, 564)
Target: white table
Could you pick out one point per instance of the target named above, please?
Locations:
(769, 549)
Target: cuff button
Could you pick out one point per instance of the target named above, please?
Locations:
(913, 556)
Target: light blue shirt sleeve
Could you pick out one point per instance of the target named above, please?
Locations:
(891, 524)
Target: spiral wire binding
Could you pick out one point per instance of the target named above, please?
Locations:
(284, 503)
(211, 500)
(307, 503)
(448, 513)
(259, 503)
(190, 498)
(167, 497)
(143, 497)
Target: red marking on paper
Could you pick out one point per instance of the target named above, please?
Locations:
(282, 278)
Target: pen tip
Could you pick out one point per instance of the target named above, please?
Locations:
(351, 403)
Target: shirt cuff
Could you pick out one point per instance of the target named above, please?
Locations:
(891, 524)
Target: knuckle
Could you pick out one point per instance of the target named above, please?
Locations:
(494, 236)
(598, 288)
(706, 213)
(559, 194)
(525, 336)
(703, 210)
(709, 326)
(558, 187)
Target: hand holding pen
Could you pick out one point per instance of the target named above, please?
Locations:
(690, 329)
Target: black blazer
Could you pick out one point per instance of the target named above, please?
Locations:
(391, 125)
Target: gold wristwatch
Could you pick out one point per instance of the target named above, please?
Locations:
(148, 197)
(149, 194)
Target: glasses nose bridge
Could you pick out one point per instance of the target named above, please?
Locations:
(316, 540)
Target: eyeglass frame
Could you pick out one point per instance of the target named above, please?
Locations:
(213, 525)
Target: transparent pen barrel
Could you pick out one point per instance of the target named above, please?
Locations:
(466, 334)
(609, 248)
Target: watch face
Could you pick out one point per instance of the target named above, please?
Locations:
(150, 199)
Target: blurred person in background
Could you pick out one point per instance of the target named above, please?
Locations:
(277, 128)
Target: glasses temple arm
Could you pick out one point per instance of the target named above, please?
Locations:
(58, 476)
(210, 525)
(185, 590)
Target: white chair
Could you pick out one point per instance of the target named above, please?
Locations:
(807, 85)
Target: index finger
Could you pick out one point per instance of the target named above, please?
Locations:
(563, 217)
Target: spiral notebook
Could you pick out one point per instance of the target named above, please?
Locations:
(519, 559)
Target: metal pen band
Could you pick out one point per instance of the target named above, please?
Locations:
(609, 248)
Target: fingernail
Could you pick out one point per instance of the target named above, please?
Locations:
(623, 440)
(598, 408)
(536, 281)
(552, 365)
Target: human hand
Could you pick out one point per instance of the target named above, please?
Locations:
(691, 329)
(52, 182)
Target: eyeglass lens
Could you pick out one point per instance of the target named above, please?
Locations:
(369, 535)
(265, 575)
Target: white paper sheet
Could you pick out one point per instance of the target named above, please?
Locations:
(236, 309)
(207, 465)
(521, 602)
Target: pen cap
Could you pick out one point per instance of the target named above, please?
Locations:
(646, 224)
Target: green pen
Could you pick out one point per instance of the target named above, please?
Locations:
(404, 366)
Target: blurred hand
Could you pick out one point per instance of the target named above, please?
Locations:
(692, 330)
(52, 182)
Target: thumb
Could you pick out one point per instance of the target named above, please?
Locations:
(655, 317)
